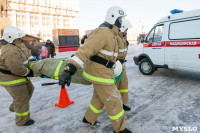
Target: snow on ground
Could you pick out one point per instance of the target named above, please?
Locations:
(159, 102)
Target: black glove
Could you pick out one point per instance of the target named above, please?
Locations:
(65, 78)
(85, 36)
(83, 41)
(70, 70)
(54, 54)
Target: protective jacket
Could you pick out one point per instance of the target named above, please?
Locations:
(122, 47)
(11, 59)
(107, 48)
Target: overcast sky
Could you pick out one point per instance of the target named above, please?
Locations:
(142, 13)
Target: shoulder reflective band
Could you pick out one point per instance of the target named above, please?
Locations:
(94, 109)
(57, 70)
(13, 82)
(102, 80)
(77, 60)
(108, 53)
(121, 91)
(117, 116)
(22, 114)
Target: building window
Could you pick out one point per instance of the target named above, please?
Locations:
(54, 21)
(58, 21)
(44, 20)
(19, 19)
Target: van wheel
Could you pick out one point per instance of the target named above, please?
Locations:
(146, 67)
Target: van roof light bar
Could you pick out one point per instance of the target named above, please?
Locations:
(176, 11)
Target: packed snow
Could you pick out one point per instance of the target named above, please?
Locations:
(159, 102)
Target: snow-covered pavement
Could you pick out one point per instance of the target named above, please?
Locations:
(159, 102)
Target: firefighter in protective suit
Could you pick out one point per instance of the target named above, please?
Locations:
(99, 53)
(13, 74)
(122, 85)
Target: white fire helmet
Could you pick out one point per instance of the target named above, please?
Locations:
(117, 68)
(125, 25)
(11, 33)
(113, 13)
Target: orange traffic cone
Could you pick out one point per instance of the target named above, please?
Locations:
(64, 99)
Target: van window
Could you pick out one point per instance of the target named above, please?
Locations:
(156, 34)
(185, 30)
(150, 36)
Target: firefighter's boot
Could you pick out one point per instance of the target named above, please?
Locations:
(95, 124)
(125, 131)
(29, 122)
(126, 108)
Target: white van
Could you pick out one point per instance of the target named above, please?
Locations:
(173, 42)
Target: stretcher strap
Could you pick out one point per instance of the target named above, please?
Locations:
(57, 70)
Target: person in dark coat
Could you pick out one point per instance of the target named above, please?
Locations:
(51, 48)
(36, 50)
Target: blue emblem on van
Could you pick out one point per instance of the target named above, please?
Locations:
(176, 11)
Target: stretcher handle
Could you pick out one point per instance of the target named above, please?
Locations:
(52, 83)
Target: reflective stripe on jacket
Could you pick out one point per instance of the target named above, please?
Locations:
(102, 42)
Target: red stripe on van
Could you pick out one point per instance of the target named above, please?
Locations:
(183, 43)
(154, 44)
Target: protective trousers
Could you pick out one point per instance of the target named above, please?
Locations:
(123, 87)
(21, 95)
(109, 96)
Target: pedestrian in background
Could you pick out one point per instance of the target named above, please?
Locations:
(51, 49)
(44, 52)
(36, 50)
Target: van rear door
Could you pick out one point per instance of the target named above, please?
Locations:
(154, 45)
